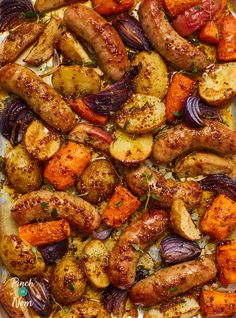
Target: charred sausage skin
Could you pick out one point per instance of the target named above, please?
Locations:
(124, 258)
(93, 28)
(172, 281)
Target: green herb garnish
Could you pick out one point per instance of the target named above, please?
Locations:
(118, 204)
(44, 205)
(137, 248)
(177, 114)
(71, 287)
(173, 289)
(54, 213)
(197, 8)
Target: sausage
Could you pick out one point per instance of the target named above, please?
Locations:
(172, 281)
(166, 40)
(181, 139)
(41, 97)
(45, 5)
(93, 28)
(124, 258)
(38, 206)
(167, 190)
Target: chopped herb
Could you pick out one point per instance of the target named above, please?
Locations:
(195, 41)
(173, 289)
(54, 213)
(194, 69)
(177, 114)
(197, 8)
(143, 197)
(44, 205)
(120, 203)
(67, 309)
(49, 187)
(71, 287)
(155, 197)
(30, 15)
(64, 139)
(47, 68)
(34, 249)
(137, 248)
(126, 125)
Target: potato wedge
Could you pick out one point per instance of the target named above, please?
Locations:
(72, 49)
(40, 142)
(201, 163)
(76, 81)
(218, 86)
(129, 149)
(153, 77)
(182, 223)
(23, 172)
(94, 258)
(187, 308)
(46, 5)
(19, 40)
(44, 48)
(141, 114)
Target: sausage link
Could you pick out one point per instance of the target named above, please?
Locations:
(124, 258)
(38, 206)
(172, 281)
(166, 40)
(41, 97)
(100, 34)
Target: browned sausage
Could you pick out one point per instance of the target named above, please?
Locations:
(124, 257)
(166, 40)
(45, 5)
(38, 205)
(181, 139)
(41, 97)
(107, 44)
(167, 190)
(172, 281)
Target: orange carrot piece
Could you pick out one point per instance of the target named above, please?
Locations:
(180, 87)
(220, 218)
(175, 7)
(45, 233)
(68, 162)
(214, 303)
(84, 111)
(226, 260)
(121, 205)
(227, 43)
(107, 7)
(209, 33)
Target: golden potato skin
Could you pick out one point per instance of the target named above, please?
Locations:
(76, 81)
(153, 77)
(23, 172)
(99, 180)
(68, 280)
(20, 258)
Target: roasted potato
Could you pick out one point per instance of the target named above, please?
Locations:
(45, 5)
(68, 280)
(153, 77)
(40, 142)
(130, 149)
(201, 163)
(72, 49)
(44, 48)
(20, 257)
(141, 114)
(76, 81)
(23, 172)
(182, 223)
(218, 86)
(18, 40)
(85, 308)
(94, 259)
(98, 181)
(188, 307)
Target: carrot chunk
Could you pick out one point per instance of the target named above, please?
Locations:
(226, 260)
(68, 162)
(209, 33)
(45, 233)
(227, 43)
(175, 7)
(107, 7)
(214, 303)
(220, 218)
(121, 205)
(84, 111)
(180, 88)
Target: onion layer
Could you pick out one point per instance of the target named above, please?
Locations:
(114, 300)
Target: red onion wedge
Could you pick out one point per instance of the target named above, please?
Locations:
(194, 110)
(12, 11)
(103, 235)
(131, 32)
(110, 99)
(114, 300)
(220, 183)
(175, 249)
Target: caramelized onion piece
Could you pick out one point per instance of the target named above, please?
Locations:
(114, 300)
